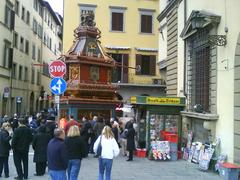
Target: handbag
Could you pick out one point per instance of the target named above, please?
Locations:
(99, 149)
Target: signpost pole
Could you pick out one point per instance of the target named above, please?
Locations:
(57, 101)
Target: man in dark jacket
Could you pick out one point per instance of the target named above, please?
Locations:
(57, 156)
(40, 143)
(86, 131)
(22, 138)
(4, 148)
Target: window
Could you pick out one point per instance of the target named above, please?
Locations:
(117, 21)
(39, 55)
(40, 10)
(26, 74)
(202, 77)
(23, 13)
(15, 40)
(21, 43)
(35, 5)
(60, 47)
(40, 30)
(55, 49)
(35, 26)
(50, 43)
(45, 69)
(33, 51)
(198, 69)
(7, 54)
(33, 76)
(16, 8)
(20, 72)
(120, 73)
(146, 24)
(26, 46)
(44, 38)
(38, 78)
(146, 20)
(28, 18)
(14, 68)
(147, 64)
(9, 17)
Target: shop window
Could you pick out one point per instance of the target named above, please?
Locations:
(147, 64)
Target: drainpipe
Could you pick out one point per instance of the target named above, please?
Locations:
(185, 52)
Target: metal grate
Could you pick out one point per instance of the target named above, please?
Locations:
(199, 70)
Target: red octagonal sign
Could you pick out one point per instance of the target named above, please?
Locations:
(57, 68)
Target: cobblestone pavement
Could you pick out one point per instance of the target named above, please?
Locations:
(139, 169)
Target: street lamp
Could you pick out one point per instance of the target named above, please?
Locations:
(197, 20)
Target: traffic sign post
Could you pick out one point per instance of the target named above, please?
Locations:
(57, 68)
(58, 86)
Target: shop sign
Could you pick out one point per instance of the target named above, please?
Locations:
(162, 100)
(180, 101)
(133, 99)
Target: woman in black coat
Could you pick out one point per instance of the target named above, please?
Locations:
(130, 134)
(40, 142)
(4, 148)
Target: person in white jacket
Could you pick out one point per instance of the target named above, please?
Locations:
(110, 149)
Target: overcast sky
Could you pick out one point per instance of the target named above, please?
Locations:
(57, 5)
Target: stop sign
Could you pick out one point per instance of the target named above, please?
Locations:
(57, 68)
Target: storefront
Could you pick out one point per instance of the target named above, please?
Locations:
(156, 116)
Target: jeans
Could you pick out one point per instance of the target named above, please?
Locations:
(73, 169)
(105, 164)
(4, 163)
(57, 175)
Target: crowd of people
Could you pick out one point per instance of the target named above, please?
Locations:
(60, 145)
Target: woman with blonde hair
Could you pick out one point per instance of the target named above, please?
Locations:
(110, 149)
(76, 150)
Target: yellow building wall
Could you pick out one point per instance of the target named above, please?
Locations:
(131, 37)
